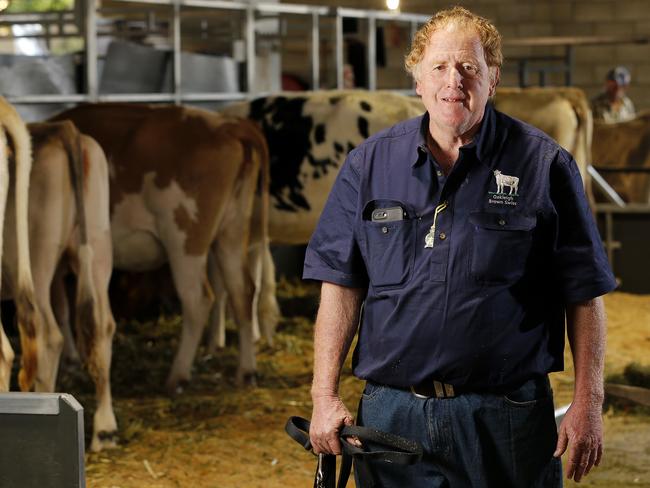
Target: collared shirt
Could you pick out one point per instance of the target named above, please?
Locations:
(604, 111)
(514, 244)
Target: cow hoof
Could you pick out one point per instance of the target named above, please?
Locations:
(104, 440)
(247, 379)
(175, 388)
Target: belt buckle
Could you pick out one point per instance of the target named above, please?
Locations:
(418, 395)
(441, 390)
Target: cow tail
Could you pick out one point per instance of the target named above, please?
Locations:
(26, 311)
(85, 320)
(6, 353)
(267, 305)
(264, 185)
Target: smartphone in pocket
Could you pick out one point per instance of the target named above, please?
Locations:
(389, 214)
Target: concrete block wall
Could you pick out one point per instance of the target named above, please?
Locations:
(529, 18)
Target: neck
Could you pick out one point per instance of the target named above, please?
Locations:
(614, 97)
(445, 156)
(445, 146)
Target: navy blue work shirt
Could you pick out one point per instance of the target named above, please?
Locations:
(485, 306)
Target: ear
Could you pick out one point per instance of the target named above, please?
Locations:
(418, 88)
(495, 77)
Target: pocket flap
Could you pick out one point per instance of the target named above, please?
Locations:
(501, 221)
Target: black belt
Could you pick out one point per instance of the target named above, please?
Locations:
(438, 389)
(401, 451)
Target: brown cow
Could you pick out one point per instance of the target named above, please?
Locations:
(625, 144)
(69, 229)
(15, 140)
(183, 182)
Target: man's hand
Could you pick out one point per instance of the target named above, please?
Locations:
(336, 324)
(328, 417)
(582, 429)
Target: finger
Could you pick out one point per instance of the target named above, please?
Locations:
(316, 446)
(599, 455)
(578, 472)
(572, 462)
(320, 443)
(582, 461)
(334, 445)
(591, 460)
(570, 470)
(562, 442)
(354, 440)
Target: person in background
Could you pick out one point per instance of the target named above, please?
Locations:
(467, 237)
(613, 105)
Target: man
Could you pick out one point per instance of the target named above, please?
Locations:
(468, 238)
(613, 105)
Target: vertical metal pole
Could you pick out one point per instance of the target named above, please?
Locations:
(339, 51)
(523, 73)
(609, 238)
(569, 65)
(372, 53)
(250, 49)
(414, 29)
(92, 88)
(178, 75)
(315, 52)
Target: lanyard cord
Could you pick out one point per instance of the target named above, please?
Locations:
(430, 238)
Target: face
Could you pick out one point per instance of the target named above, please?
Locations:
(614, 90)
(454, 81)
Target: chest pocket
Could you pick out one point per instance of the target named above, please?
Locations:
(389, 246)
(500, 247)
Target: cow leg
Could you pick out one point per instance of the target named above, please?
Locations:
(94, 315)
(216, 332)
(265, 309)
(195, 294)
(49, 339)
(99, 366)
(6, 360)
(229, 254)
(268, 309)
(60, 305)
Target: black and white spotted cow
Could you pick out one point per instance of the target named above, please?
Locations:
(309, 135)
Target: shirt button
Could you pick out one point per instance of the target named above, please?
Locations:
(439, 173)
(502, 222)
(442, 236)
(384, 230)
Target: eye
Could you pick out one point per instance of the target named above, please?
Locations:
(469, 68)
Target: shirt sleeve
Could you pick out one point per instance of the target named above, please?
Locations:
(333, 254)
(580, 265)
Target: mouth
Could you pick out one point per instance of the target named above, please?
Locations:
(453, 99)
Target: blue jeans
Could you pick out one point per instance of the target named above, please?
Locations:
(472, 440)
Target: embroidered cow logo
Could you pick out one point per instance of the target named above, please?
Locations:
(504, 180)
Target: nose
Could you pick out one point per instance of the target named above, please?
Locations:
(454, 78)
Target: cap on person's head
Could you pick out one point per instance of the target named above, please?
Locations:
(620, 75)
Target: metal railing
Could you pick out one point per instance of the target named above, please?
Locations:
(177, 95)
